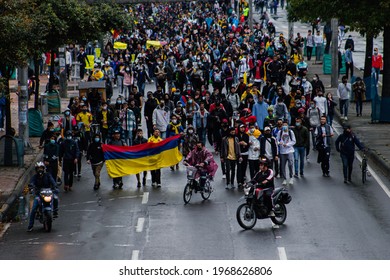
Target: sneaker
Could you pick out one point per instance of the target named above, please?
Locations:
(346, 118)
(224, 176)
(154, 184)
(79, 175)
(291, 181)
(271, 213)
(302, 175)
(138, 184)
(158, 186)
(232, 186)
(30, 228)
(345, 181)
(284, 182)
(296, 175)
(172, 168)
(227, 186)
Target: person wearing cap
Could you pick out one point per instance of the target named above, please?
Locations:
(269, 148)
(231, 156)
(95, 157)
(377, 64)
(116, 140)
(345, 145)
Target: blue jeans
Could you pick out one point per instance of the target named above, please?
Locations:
(376, 72)
(299, 155)
(347, 165)
(35, 206)
(128, 137)
(344, 104)
(202, 134)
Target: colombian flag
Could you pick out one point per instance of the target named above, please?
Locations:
(128, 160)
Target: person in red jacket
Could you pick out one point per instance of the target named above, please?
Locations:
(377, 64)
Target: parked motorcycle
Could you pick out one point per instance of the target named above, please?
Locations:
(254, 207)
(196, 178)
(45, 210)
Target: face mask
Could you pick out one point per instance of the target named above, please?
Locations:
(40, 172)
(67, 113)
(375, 53)
(174, 121)
(298, 124)
(199, 148)
(52, 141)
(105, 108)
(299, 105)
(190, 101)
(190, 131)
(51, 129)
(284, 127)
(251, 130)
(303, 80)
(127, 69)
(97, 140)
(69, 137)
(84, 110)
(314, 79)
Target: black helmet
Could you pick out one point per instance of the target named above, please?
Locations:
(68, 133)
(265, 161)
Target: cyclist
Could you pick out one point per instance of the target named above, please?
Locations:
(204, 158)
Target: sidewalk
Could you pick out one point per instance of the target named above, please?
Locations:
(375, 136)
(14, 179)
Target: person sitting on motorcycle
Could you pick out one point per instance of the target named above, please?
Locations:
(42, 179)
(202, 157)
(264, 180)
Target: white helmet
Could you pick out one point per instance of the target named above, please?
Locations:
(39, 164)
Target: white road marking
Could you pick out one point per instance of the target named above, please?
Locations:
(282, 253)
(145, 198)
(373, 173)
(123, 245)
(56, 243)
(115, 226)
(140, 224)
(135, 255)
(5, 227)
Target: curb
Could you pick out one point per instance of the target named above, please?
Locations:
(18, 189)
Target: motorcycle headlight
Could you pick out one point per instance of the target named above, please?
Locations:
(47, 198)
(246, 190)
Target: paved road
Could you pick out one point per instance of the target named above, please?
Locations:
(326, 220)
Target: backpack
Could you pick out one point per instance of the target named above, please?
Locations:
(217, 77)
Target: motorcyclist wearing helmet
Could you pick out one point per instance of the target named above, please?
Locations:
(264, 180)
(42, 179)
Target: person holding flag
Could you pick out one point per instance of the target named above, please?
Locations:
(156, 174)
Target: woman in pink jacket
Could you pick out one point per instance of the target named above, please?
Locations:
(128, 80)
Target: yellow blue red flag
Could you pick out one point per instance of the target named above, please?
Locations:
(128, 160)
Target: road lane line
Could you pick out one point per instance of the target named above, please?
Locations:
(140, 224)
(373, 173)
(282, 253)
(135, 255)
(145, 198)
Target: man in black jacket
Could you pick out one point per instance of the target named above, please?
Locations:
(243, 140)
(69, 153)
(302, 141)
(140, 139)
(95, 157)
(345, 145)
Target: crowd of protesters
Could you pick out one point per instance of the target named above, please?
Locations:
(245, 91)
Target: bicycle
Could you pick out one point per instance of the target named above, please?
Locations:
(364, 167)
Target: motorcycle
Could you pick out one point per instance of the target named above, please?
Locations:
(196, 177)
(254, 208)
(45, 209)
